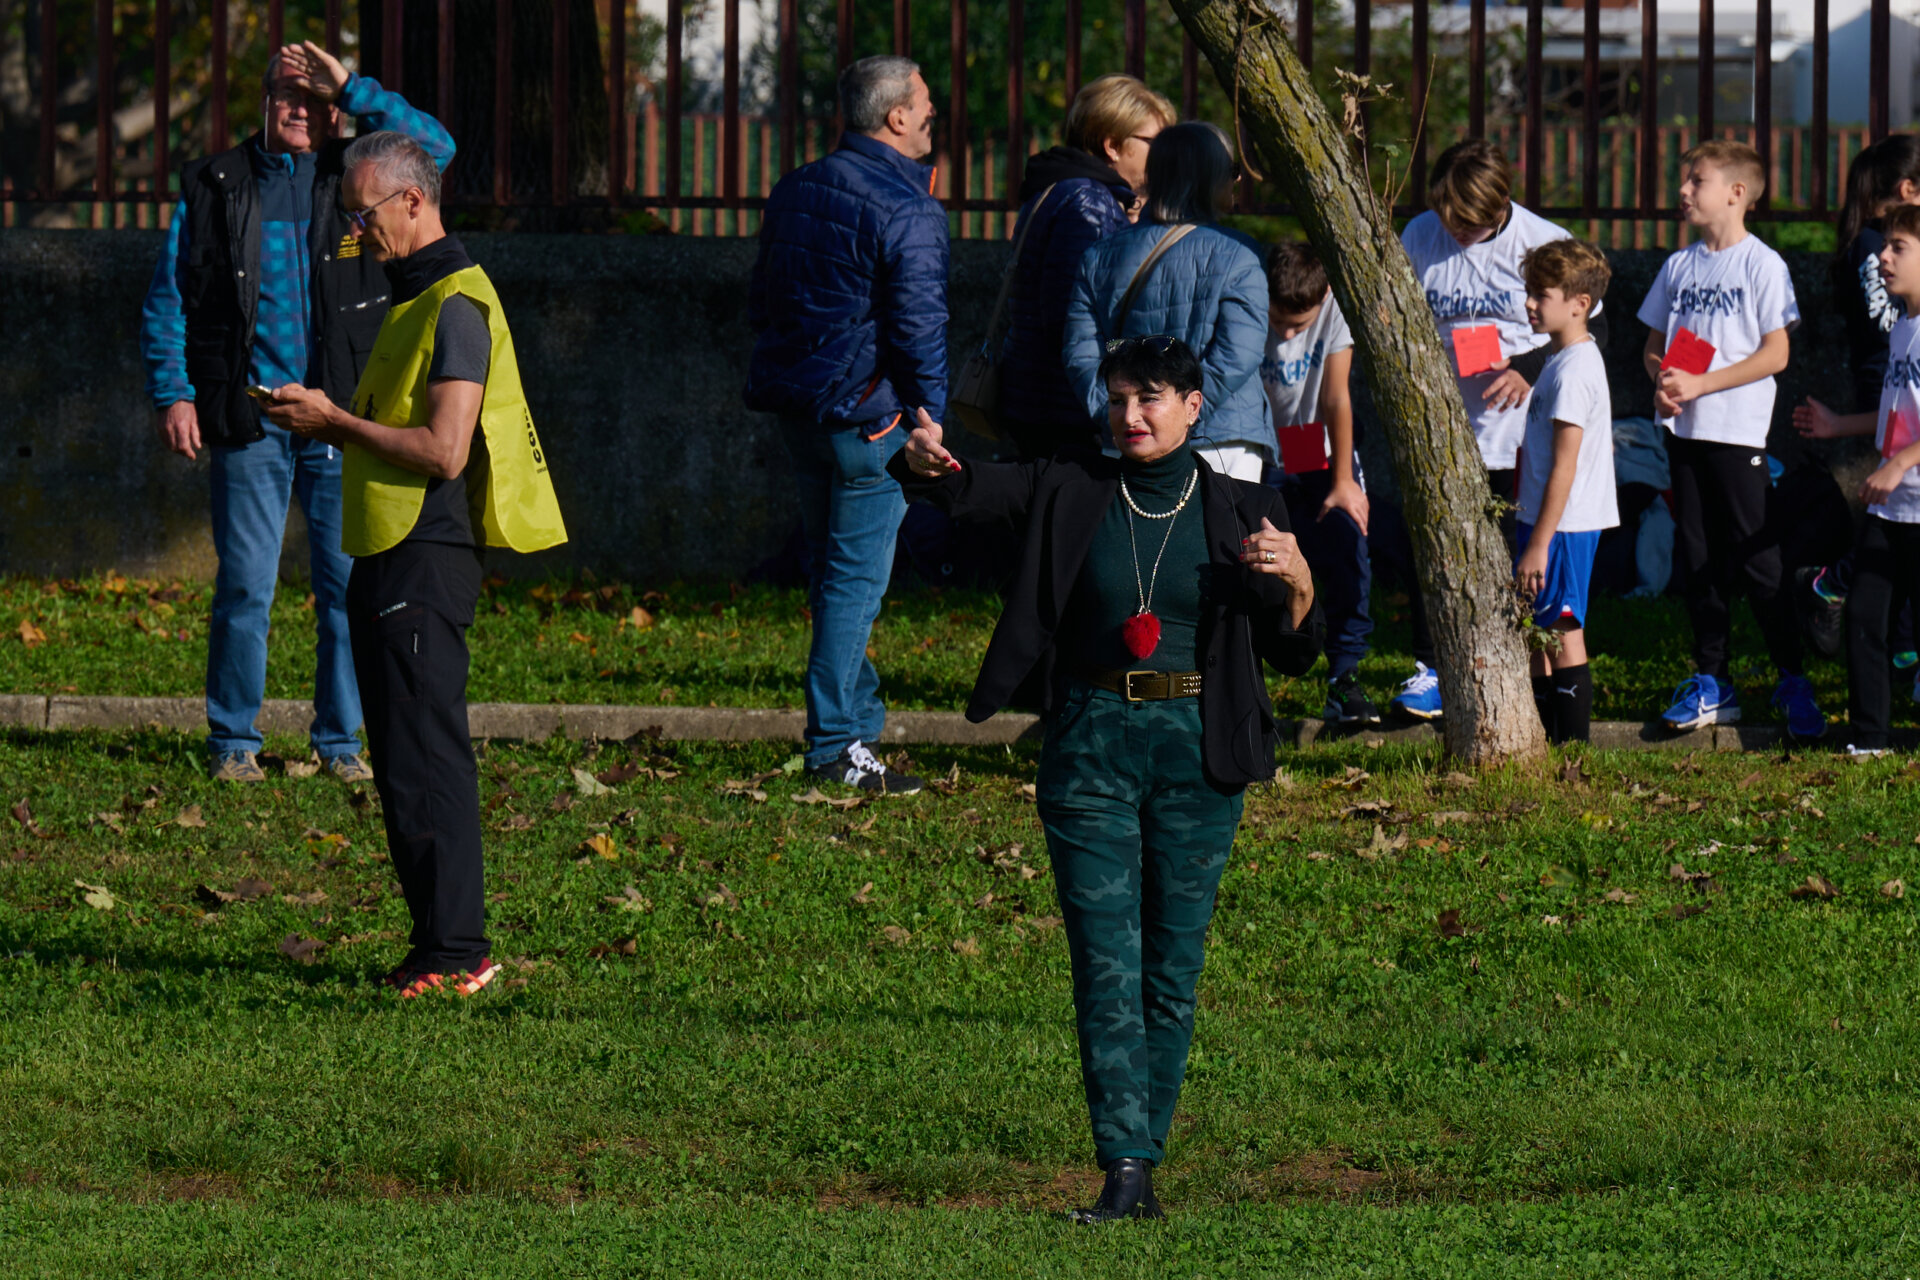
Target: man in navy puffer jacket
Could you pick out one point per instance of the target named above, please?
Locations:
(849, 297)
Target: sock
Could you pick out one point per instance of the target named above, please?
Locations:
(1543, 700)
(1573, 704)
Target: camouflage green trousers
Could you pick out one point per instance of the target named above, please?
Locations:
(1138, 839)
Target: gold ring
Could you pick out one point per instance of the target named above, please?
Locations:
(1269, 557)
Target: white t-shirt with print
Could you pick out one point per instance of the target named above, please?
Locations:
(1899, 424)
(1482, 285)
(1572, 388)
(1293, 371)
(1731, 300)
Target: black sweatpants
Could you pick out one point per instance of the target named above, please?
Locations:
(408, 610)
(1504, 484)
(1721, 543)
(1886, 568)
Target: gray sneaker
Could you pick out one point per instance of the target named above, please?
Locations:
(348, 768)
(236, 766)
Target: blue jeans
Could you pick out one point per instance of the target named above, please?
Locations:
(1337, 552)
(851, 510)
(251, 488)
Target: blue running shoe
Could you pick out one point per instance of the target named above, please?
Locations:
(1702, 700)
(1419, 697)
(1793, 699)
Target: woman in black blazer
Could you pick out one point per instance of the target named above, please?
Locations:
(1148, 591)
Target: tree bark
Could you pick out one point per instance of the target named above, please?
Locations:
(1458, 551)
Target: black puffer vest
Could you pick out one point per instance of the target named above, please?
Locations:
(220, 290)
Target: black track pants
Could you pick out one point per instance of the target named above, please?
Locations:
(1720, 510)
(1886, 568)
(408, 610)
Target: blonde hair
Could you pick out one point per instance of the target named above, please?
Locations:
(1471, 185)
(1569, 265)
(1113, 109)
(1740, 162)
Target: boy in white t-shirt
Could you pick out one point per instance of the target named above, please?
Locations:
(1886, 555)
(1305, 372)
(1467, 250)
(1724, 305)
(1566, 477)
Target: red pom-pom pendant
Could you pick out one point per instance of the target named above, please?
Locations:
(1141, 633)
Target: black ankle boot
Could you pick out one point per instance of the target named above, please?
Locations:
(1128, 1193)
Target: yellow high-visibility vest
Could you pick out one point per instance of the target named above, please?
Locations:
(516, 506)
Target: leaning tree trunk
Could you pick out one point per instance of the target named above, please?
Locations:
(1457, 548)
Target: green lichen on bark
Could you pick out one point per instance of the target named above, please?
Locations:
(1458, 551)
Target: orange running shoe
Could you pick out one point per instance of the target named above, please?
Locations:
(465, 983)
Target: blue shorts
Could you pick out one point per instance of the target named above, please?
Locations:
(1569, 575)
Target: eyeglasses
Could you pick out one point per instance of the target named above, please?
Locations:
(358, 217)
(1158, 343)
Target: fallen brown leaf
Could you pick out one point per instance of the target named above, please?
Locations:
(96, 896)
(1352, 780)
(813, 795)
(895, 934)
(188, 817)
(865, 896)
(601, 846)
(1621, 896)
(1816, 887)
(312, 898)
(304, 950)
(1449, 924)
(31, 635)
(1894, 889)
(965, 947)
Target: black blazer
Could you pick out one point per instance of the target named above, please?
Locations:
(1058, 503)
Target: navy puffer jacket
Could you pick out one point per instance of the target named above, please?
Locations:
(849, 293)
(1087, 204)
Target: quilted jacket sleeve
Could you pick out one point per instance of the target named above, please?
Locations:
(913, 337)
(1239, 338)
(1082, 347)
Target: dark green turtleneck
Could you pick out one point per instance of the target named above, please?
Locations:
(1105, 594)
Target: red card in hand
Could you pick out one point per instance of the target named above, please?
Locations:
(1303, 448)
(1476, 350)
(1900, 433)
(1688, 353)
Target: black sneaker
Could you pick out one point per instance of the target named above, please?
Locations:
(1348, 704)
(859, 767)
(1822, 619)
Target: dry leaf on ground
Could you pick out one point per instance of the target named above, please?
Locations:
(865, 896)
(895, 934)
(1894, 889)
(966, 947)
(304, 950)
(588, 785)
(96, 896)
(600, 846)
(1816, 887)
(813, 795)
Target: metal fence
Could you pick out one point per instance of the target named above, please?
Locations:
(708, 172)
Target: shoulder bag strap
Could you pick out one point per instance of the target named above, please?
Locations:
(1013, 268)
(1140, 275)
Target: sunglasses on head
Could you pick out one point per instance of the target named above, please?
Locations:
(1158, 343)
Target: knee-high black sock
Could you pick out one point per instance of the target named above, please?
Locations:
(1543, 700)
(1573, 704)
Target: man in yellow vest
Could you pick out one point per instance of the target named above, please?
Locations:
(440, 461)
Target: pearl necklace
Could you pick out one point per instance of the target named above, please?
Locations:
(1141, 632)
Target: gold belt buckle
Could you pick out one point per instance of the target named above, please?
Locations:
(1126, 687)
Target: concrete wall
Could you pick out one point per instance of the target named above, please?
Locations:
(633, 350)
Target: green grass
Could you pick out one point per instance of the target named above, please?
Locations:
(760, 1080)
(729, 646)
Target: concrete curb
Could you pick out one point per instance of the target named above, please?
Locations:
(534, 722)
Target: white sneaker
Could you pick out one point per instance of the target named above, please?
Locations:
(859, 767)
(1865, 753)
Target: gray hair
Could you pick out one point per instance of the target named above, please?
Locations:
(1189, 173)
(871, 88)
(400, 160)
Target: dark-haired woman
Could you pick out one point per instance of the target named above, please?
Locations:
(1148, 591)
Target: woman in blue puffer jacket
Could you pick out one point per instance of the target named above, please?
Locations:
(1071, 197)
(1208, 289)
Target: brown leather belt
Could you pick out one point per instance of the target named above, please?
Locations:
(1144, 686)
